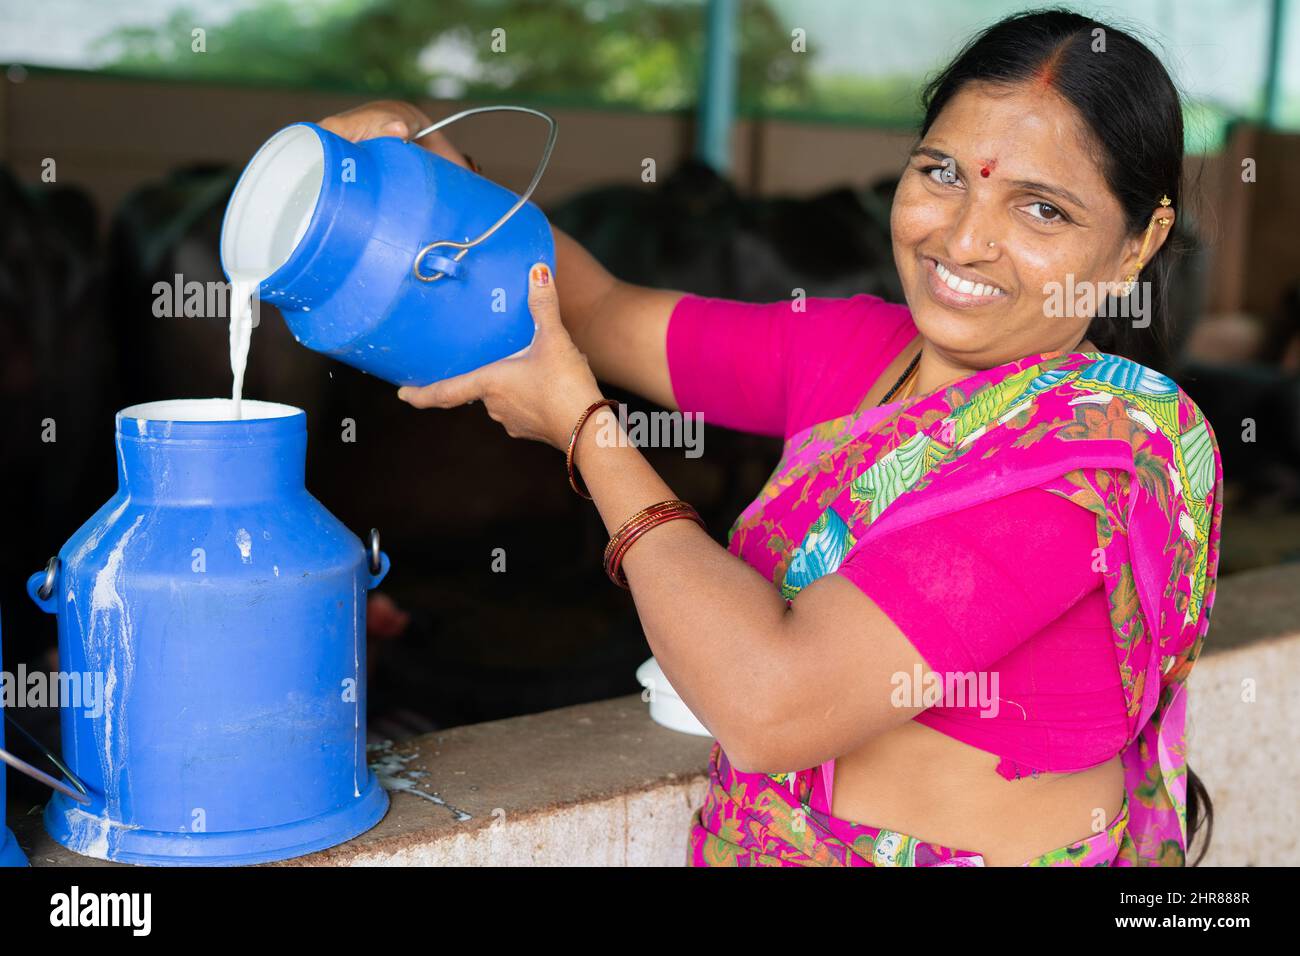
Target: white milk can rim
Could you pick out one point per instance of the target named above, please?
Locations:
(207, 410)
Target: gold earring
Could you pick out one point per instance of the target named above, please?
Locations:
(1163, 220)
(1131, 278)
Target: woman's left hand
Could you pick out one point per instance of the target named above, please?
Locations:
(538, 394)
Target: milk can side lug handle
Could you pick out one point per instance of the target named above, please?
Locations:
(40, 586)
(464, 247)
(377, 562)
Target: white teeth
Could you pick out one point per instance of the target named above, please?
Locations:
(965, 286)
(950, 280)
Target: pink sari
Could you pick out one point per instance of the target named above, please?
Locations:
(1112, 436)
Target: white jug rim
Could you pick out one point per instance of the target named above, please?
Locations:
(273, 203)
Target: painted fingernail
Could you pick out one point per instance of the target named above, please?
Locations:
(541, 274)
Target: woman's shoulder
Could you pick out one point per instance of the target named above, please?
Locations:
(819, 331)
(851, 325)
(1160, 420)
(862, 307)
(859, 308)
(837, 351)
(1139, 385)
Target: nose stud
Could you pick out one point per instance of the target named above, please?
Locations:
(992, 243)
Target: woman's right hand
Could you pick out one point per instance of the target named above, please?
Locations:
(391, 118)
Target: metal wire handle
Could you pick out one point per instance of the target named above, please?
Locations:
(375, 562)
(464, 247)
(51, 572)
(81, 794)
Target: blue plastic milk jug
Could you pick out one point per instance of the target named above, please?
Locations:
(225, 609)
(385, 256)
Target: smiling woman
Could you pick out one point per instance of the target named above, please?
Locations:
(1089, 130)
(972, 496)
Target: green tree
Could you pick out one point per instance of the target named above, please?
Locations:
(646, 53)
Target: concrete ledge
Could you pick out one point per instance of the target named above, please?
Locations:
(1243, 726)
(601, 784)
(595, 784)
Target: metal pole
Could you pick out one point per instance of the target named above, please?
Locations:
(1273, 77)
(718, 94)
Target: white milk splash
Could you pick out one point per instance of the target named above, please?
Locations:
(389, 767)
(110, 650)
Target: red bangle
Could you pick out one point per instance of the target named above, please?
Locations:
(639, 524)
(573, 443)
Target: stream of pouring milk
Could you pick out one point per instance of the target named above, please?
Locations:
(282, 194)
(242, 287)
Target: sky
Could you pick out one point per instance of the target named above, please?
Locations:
(63, 32)
(1203, 41)
(1215, 48)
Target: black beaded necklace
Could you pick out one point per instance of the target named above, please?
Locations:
(911, 367)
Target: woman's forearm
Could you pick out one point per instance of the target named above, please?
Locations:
(711, 620)
(584, 288)
(620, 327)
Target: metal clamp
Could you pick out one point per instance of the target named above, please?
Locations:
(51, 572)
(376, 563)
(464, 247)
(80, 794)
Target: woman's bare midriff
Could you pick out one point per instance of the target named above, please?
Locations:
(917, 781)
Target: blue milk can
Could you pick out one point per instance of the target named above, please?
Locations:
(385, 256)
(11, 853)
(225, 609)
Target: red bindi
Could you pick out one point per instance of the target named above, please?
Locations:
(985, 172)
(988, 167)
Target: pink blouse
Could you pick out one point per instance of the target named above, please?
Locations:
(1029, 632)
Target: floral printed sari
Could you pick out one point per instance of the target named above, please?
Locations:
(1112, 436)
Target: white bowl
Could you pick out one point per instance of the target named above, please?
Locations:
(666, 708)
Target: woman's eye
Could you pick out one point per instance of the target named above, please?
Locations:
(945, 175)
(1046, 212)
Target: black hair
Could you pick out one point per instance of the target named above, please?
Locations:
(1134, 114)
(1131, 108)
